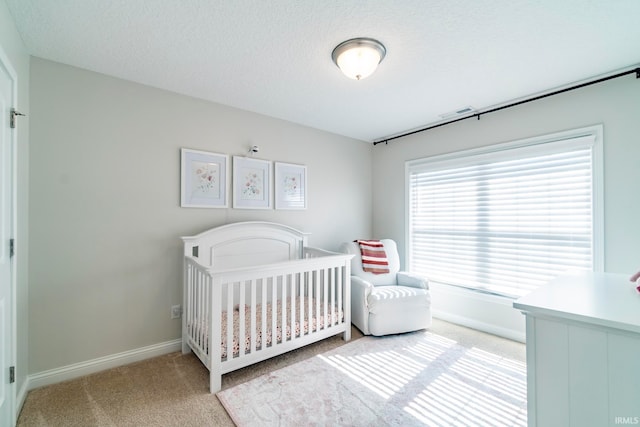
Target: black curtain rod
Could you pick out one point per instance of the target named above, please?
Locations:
(535, 98)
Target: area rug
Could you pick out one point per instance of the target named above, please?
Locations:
(418, 378)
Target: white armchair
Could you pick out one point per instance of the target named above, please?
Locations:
(389, 303)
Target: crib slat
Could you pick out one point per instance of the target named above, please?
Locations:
(331, 320)
(292, 319)
(188, 302)
(263, 313)
(190, 319)
(241, 322)
(288, 307)
(330, 297)
(316, 295)
(191, 297)
(309, 298)
(201, 318)
(254, 326)
(207, 291)
(196, 309)
(345, 276)
(284, 303)
(186, 280)
(334, 286)
(229, 319)
(327, 320)
(213, 332)
(325, 301)
(300, 300)
(274, 312)
(339, 290)
(203, 310)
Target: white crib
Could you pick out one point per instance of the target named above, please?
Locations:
(254, 290)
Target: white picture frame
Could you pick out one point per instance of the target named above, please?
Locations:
(290, 186)
(204, 178)
(251, 183)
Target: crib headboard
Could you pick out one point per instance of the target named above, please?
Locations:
(244, 244)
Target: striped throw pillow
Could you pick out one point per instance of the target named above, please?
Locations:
(374, 258)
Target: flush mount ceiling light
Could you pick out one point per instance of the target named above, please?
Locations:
(358, 58)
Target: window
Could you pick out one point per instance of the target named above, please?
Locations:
(506, 219)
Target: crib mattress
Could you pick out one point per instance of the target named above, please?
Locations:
(308, 325)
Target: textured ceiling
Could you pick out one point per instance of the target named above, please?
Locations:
(274, 57)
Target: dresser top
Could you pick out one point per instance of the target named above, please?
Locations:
(604, 299)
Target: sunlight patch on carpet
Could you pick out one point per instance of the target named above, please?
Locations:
(384, 373)
(412, 379)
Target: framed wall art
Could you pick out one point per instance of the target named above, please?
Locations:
(251, 183)
(204, 179)
(290, 186)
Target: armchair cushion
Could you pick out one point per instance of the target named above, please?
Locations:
(398, 309)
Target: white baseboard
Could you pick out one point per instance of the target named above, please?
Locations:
(480, 326)
(65, 373)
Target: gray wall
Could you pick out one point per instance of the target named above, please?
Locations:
(615, 104)
(105, 221)
(104, 215)
(11, 44)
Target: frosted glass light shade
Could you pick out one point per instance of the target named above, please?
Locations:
(358, 58)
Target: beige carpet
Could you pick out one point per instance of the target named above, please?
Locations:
(172, 390)
(413, 379)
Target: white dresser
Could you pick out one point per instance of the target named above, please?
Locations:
(583, 351)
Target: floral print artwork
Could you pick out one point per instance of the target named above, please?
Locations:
(253, 184)
(291, 186)
(205, 180)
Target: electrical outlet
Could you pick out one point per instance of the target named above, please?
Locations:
(176, 311)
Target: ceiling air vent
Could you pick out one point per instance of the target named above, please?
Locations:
(464, 111)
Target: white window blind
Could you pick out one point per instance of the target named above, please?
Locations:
(503, 220)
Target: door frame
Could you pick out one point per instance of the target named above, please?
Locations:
(13, 138)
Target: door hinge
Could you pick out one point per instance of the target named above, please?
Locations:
(12, 374)
(12, 117)
(12, 248)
